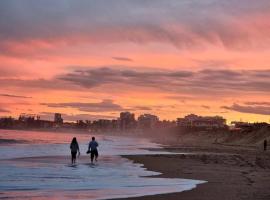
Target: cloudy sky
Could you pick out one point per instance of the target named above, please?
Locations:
(95, 58)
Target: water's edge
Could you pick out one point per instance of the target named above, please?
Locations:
(40, 168)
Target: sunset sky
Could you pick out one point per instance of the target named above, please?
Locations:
(92, 59)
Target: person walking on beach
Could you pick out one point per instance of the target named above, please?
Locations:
(92, 149)
(265, 145)
(74, 148)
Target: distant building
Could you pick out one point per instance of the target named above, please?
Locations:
(195, 121)
(115, 124)
(44, 123)
(102, 124)
(147, 121)
(26, 118)
(127, 120)
(166, 124)
(239, 125)
(58, 118)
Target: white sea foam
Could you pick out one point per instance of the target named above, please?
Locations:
(40, 168)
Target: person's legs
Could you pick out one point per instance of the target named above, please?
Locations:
(73, 157)
(96, 155)
(92, 156)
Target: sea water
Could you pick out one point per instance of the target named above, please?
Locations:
(36, 165)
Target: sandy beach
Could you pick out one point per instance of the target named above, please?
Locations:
(231, 173)
(225, 171)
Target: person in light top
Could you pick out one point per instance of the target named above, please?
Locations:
(92, 149)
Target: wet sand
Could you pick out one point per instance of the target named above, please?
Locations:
(232, 174)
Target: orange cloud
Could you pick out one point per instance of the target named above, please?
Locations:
(173, 57)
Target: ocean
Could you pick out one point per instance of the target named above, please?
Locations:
(36, 165)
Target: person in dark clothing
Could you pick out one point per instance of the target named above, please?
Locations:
(74, 148)
(265, 145)
(92, 148)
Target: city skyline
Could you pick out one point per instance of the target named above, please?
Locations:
(126, 121)
(60, 118)
(94, 59)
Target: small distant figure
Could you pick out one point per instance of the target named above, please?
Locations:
(265, 145)
(74, 148)
(92, 149)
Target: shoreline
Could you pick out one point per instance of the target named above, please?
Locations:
(230, 174)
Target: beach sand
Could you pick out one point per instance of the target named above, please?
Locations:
(232, 173)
